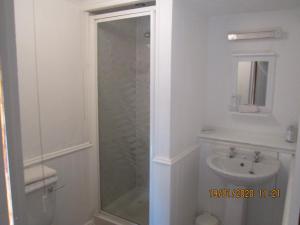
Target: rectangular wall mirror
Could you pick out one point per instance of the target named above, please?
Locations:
(254, 81)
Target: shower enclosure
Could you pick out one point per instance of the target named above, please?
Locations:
(123, 72)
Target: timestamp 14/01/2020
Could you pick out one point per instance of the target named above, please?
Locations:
(244, 193)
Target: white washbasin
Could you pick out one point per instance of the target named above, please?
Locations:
(243, 171)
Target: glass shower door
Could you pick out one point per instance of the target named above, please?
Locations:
(124, 116)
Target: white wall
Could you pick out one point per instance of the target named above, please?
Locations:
(57, 91)
(200, 96)
(219, 80)
(181, 89)
(189, 49)
(219, 87)
(160, 172)
(185, 175)
(181, 63)
(60, 75)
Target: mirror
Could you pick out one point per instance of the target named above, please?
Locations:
(253, 82)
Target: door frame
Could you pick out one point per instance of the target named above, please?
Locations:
(94, 20)
(13, 151)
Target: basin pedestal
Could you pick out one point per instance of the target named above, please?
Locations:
(235, 209)
(241, 171)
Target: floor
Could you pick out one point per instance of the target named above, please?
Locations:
(133, 206)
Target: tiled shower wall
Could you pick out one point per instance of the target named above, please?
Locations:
(142, 101)
(124, 111)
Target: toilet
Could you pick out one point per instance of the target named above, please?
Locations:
(40, 185)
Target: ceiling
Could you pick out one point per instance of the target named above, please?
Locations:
(221, 7)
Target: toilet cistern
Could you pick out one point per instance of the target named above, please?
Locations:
(40, 186)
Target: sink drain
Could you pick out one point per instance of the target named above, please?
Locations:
(251, 172)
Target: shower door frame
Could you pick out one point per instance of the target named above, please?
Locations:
(115, 16)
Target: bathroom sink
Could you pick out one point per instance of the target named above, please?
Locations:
(243, 170)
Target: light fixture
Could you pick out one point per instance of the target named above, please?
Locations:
(276, 33)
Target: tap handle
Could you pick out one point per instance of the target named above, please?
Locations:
(257, 153)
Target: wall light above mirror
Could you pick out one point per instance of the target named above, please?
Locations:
(253, 83)
(250, 35)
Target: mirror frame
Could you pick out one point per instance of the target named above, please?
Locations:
(264, 56)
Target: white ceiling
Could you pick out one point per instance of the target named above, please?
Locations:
(220, 7)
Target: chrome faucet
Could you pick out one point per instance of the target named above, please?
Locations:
(232, 152)
(257, 157)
